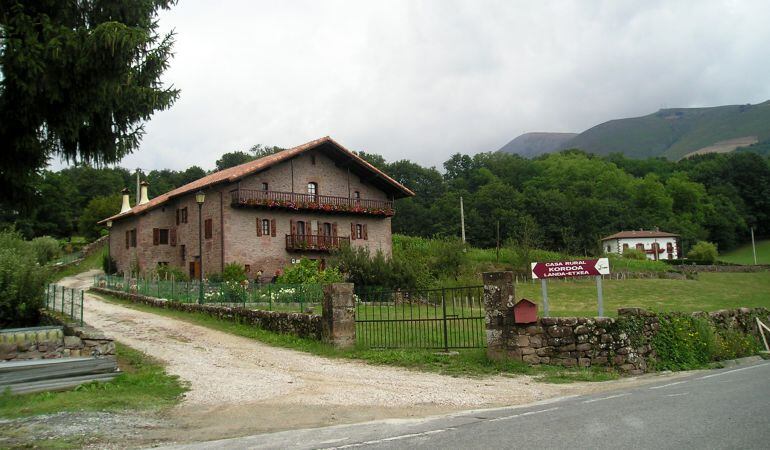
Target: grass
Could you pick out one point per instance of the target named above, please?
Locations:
(465, 362)
(143, 385)
(745, 255)
(93, 261)
(710, 292)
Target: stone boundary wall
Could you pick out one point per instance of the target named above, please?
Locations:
(623, 343)
(60, 339)
(299, 324)
(725, 269)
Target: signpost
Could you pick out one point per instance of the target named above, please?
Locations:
(568, 269)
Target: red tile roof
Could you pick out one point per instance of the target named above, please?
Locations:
(639, 234)
(233, 174)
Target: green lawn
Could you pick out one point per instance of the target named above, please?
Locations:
(710, 292)
(744, 254)
(143, 385)
(93, 261)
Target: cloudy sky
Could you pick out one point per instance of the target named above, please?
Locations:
(425, 79)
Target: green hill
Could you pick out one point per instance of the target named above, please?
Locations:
(675, 133)
(744, 254)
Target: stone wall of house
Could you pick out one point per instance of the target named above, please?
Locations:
(299, 324)
(622, 342)
(57, 340)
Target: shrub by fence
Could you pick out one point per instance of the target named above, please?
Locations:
(270, 297)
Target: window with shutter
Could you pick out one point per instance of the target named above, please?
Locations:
(209, 232)
(265, 227)
(173, 237)
(163, 236)
(128, 241)
(259, 227)
(133, 237)
(272, 227)
(334, 229)
(155, 236)
(359, 231)
(366, 232)
(352, 232)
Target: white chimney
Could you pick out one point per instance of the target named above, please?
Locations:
(125, 206)
(143, 196)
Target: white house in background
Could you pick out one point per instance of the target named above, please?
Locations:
(655, 244)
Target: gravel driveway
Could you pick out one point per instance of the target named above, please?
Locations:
(238, 385)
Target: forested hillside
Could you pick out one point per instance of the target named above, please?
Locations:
(564, 201)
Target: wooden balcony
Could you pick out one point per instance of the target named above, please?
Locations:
(314, 242)
(307, 202)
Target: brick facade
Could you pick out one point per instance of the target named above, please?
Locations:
(234, 235)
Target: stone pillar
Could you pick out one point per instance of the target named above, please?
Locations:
(498, 306)
(339, 315)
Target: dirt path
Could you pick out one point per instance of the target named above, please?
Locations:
(240, 386)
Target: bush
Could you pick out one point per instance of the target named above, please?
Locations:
(234, 272)
(169, 272)
(375, 271)
(703, 251)
(46, 249)
(109, 266)
(308, 271)
(22, 282)
(635, 254)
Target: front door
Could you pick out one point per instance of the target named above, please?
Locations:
(195, 270)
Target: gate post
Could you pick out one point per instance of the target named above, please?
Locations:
(498, 306)
(339, 315)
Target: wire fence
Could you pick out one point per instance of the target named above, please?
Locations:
(271, 297)
(66, 301)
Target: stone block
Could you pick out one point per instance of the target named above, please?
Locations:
(582, 329)
(533, 330)
(599, 360)
(568, 348)
(545, 360)
(544, 351)
(618, 360)
(7, 351)
(522, 341)
(72, 342)
(559, 331)
(568, 362)
(607, 338)
(531, 359)
(583, 347)
(584, 362)
(527, 351)
(549, 321)
(536, 341)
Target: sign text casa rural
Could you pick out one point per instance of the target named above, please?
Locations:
(578, 268)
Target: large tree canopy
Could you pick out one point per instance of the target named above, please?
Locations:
(77, 80)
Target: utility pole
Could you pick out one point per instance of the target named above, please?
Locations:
(753, 246)
(462, 221)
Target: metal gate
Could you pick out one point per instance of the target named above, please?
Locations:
(431, 319)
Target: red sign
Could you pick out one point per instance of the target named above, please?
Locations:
(564, 269)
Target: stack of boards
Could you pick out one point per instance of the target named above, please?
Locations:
(40, 375)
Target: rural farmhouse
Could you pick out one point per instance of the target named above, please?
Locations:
(304, 201)
(655, 244)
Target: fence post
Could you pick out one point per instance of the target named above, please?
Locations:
(443, 311)
(339, 315)
(499, 299)
(62, 298)
(72, 304)
(81, 308)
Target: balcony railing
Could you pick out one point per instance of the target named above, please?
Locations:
(314, 242)
(321, 203)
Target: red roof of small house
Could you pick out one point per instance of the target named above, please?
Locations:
(639, 234)
(233, 174)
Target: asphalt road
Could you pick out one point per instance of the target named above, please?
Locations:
(725, 408)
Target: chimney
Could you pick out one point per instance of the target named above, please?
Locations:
(143, 196)
(125, 206)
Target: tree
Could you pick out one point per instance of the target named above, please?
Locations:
(97, 209)
(79, 79)
(703, 251)
(233, 159)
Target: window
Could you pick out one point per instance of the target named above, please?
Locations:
(640, 247)
(625, 247)
(133, 237)
(184, 215)
(609, 249)
(359, 231)
(265, 227)
(160, 236)
(312, 188)
(327, 229)
(183, 251)
(208, 230)
(162, 263)
(357, 195)
(300, 228)
(264, 186)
